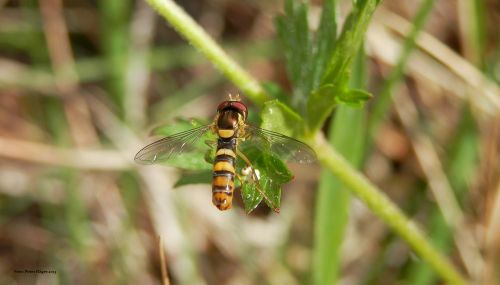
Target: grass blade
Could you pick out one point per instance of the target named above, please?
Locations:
(114, 16)
(462, 161)
(382, 105)
(472, 15)
(333, 201)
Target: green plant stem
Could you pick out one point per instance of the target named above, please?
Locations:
(386, 210)
(329, 158)
(189, 29)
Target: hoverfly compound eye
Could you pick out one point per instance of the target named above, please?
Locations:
(235, 105)
(240, 107)
(223, 105)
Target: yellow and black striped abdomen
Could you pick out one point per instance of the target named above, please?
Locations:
(223, 174)
(228, 122)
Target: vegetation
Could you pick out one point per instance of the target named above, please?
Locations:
(79, 94)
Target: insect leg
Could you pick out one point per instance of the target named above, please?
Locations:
(256, 179)
(241, 180)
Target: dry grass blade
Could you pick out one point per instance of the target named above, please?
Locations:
(492, 242)
(161, 201)
(431, 165)
(164, 276)
(66, 78)
(78, 158)
(142, 32)
(482, 92)
(17, 76)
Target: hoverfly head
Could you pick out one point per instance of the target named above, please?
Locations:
(234, 103)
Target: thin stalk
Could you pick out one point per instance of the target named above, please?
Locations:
(190, 30)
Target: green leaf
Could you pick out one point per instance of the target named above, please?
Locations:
(354, 97)
(321, 102)
(293, 31)
(193, 161)
(280, 118)
(325, 40)
(197, 177)
(272, 172)
(273, 192)
(251, 196)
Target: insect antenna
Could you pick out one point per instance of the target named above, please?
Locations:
(235, 97)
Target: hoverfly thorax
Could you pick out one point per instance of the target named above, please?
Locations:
(230, 116)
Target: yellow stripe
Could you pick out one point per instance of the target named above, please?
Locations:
(222, 181)
(226, 133)
(223, 165)
(225, 151)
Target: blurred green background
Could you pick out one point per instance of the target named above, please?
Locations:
(83, 83)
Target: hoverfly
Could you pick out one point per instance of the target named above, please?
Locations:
(233, 134)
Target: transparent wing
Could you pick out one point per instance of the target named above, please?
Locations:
(284, 147)
(171, 146)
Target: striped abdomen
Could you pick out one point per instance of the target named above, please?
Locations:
(223, 174)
